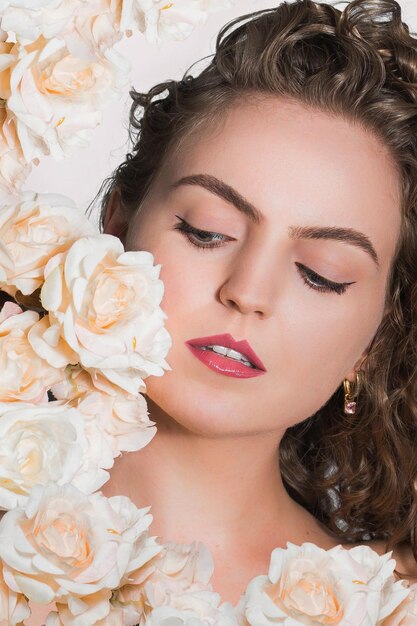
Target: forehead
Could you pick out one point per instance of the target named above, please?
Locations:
(300, 165)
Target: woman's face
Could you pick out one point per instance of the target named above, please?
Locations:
(326, 195)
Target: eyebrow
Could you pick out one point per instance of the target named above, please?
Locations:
(231, 195)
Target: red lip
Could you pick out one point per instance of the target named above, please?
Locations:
(227, 341)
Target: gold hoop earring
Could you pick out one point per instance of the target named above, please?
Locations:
(351, 394)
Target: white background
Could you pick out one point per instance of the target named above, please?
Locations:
(80, 175)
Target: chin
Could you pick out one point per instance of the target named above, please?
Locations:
(197, 408)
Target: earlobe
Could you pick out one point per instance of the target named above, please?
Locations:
(114, 222)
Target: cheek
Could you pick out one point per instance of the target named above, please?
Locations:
(324, 344)
(189, 278)
(186, 288)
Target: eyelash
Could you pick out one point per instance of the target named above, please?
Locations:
(307, 274)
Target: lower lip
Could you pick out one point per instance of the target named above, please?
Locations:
(223, 364)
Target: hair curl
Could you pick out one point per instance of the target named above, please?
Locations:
(356, 474)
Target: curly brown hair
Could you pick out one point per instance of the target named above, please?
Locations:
(356, 473)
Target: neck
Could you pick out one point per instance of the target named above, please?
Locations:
(224, 491)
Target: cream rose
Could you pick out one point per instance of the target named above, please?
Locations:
(29, 19)
(64, 617)
(300, 585)
(34, 4)
(87, 611)
(144, 550)
(204, 613)
(66, 546)
(166, 21)
(175, 577)
(104, 304)
(118, 420)
(97, 28)
(43, 443)
(33, 230)
(116, 617)
(13, 606)
(8, 55)
(24, 375)
(87, 27)
(189, 566)
(57, 91)
(367, 578)
(13, 168)
(315, 586)
(103, 443)
(406, 613)
(239, 610)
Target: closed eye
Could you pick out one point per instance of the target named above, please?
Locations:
(200, 238)
(319, 283)
(207, 240)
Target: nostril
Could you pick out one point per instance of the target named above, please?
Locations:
(233, 304)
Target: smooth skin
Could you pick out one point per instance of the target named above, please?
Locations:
(211, 473)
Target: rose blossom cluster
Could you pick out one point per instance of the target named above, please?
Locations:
(59, 67)
(309, 586)
(81, 323)
(80, 329)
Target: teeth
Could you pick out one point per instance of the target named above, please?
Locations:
(233, 354)
(220, 350)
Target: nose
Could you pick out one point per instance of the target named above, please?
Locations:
(250, 286)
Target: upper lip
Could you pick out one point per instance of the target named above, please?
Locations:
(228, 342)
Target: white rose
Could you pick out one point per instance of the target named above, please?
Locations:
(406, 613)
(13, 606)
(166, 21)
(31, 231)
(313, 586)
(34, 4)
(299, 588)
(373, 581)
(13, 168)
(203, 613)
(29, 19)
(39, 444)
(97, 28)
(239, 610)
(104, 304)
(116, 617)
(87, 611)
(65, 546)
(24, 375)
(135, 522)
(188, 565)
(118, 421)
(57, 92)
(175, 577)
